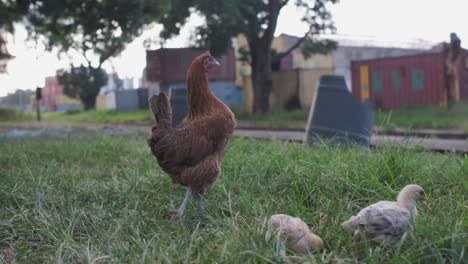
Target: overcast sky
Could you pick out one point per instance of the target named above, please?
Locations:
(394, 22)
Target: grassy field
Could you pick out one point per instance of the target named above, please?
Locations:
(99, 116)
(12, 115)
(293, 119)
(100, 199)
(454, 117)
(431, 117)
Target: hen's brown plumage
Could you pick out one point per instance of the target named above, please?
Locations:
(192, 152)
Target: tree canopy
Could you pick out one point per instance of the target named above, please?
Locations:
(99, 28)
(257, 20)
(83, 83)
(95, 29)
(10, 12)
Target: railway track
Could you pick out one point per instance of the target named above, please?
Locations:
(439, 142)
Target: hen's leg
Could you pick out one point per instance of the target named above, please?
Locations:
(201, 204)
(181, 211)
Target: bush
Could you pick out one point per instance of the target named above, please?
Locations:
(7, 114)
(72, 111)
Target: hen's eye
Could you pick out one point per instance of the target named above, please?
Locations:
(421, 192)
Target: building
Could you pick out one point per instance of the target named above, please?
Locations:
(113, 83)
(295, 77)
(166, 70)
(53, 98)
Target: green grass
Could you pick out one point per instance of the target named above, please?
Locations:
(293, 119)
(100, 199)
(432, 117)
(453, 117)
(98, 116)
(13, 115)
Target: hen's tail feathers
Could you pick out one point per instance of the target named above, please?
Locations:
(161, 109)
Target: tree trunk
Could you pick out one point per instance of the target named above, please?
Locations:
(89, 102)
(260, 52)
(261, 75)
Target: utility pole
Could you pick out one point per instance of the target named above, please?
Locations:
(38, 98)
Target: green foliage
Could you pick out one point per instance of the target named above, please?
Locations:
(96, 29)
(86, 198)
(83, 83)
(312, 47)
(255, 18)
(72, 111)
(101, 27)
(13, 115)
(11, 11)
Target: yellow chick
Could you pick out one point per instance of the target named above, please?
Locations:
(295, 233)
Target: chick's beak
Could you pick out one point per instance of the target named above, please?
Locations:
(424, 200)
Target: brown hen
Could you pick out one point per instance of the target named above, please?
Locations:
(191, 153)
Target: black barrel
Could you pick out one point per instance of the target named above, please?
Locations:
(337, 117)
(178, 101)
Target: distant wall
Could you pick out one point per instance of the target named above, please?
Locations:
(101, 102)
(295, 83)
(285, 87)
(126, 100)
(110, 100)
(223, 90)
(65, 107)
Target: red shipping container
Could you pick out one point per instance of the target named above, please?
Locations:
(51, 90)
(170, 65)
(463, 73)
(395, 82)
(392, 83)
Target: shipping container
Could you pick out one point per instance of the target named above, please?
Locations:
(170, 65)
(392, 83)
(463, 72)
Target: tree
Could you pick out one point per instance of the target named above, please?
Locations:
(10, 12)
(95, 29)
(257, 20)
(84, 83)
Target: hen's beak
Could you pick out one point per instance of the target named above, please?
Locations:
(424, 200)
(215, 62)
